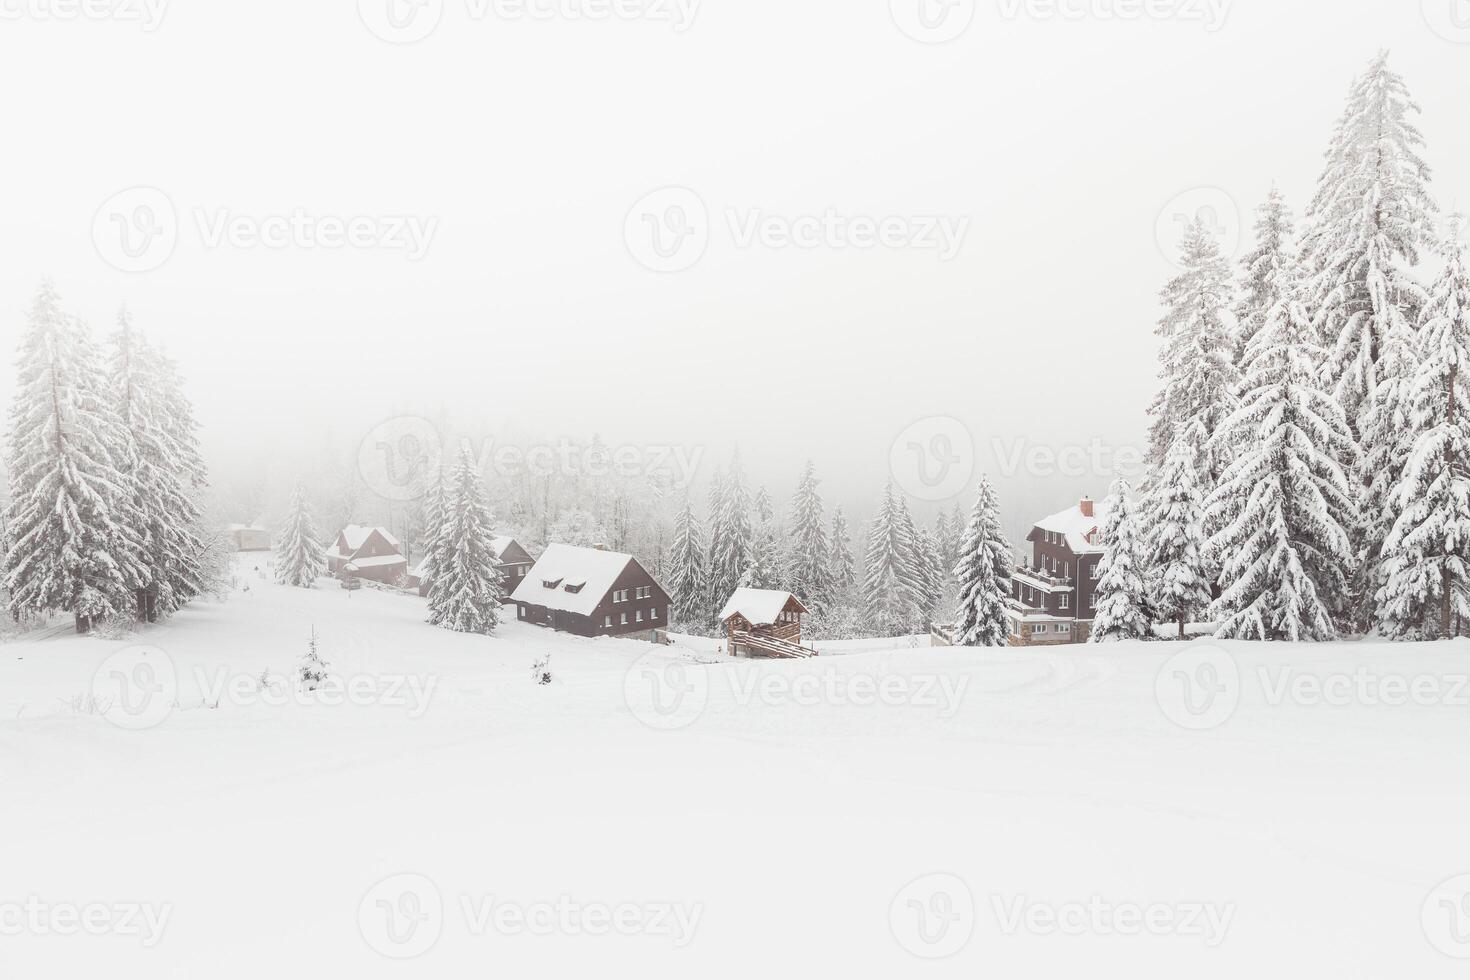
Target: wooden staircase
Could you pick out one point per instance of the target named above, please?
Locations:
(771, 646)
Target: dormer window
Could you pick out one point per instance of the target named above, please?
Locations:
(551, 583)
(575, 587)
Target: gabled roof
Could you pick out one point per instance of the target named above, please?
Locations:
(565, 565)
(356, 536)
(1083, 534)
(760, 607)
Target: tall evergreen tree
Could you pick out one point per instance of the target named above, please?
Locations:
(163, 470)
(984, 572)
(810, 563)
(889, 573)
(1285, 506)
(1261, 270)
(737, 535)
(714, 601)
(1425, 587)
(467, 590)
(300, 557)
(1121, 599)
(1175, 512)
(71, 522)
(436, 506)
(949, 532)
(1370, 217)
(1198, 360)
(765, 570)
(688, 585)
(844, 568)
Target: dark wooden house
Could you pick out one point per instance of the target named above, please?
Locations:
(1052, 595)
(591, 592)
(370, 553)
(764, 623)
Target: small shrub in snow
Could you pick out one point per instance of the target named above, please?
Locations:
(541, 670)
(312, 671)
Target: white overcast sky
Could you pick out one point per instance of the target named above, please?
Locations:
(1062, 141)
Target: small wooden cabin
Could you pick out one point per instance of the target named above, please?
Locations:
(591, 592)
(367, 552)
(246, 537)
(764, 623)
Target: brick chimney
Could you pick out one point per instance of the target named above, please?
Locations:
(1086, 506)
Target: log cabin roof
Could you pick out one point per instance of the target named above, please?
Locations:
(760, 607)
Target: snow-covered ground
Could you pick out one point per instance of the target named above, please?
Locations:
(887, 813)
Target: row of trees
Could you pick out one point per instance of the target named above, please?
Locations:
(903, 579)
(1310, 445)
(105, 476)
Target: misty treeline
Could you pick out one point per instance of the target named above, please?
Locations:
(107, 517)
(1310, 445)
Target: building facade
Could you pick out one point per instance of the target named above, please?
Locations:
(1053, 594)
(591, 592)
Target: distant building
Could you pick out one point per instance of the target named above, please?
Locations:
(370, 553)
(247, 537)
(764, 623)
(514, 562)
(591, 592)
(1052, 597)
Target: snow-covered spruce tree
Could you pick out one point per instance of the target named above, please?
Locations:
(766, 569)
(312, 671)
(688, 585)
(889, 577)
(764, 509)
(949, 532)
(71, 524)
(1285, 506)
(1197, 359)
(1426, 557)
(716, 543)
(163, 468)
(844, 569)
(809, 566)
(1386, 441)
(733, 556)
(1371, 215)
(1261, 270)
(1121, 599)
(932, 578)
(984, 573)
(300, 557)
(1179, 569)
(467, 590)
(435, 507)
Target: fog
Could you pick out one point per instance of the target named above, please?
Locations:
(887, 231)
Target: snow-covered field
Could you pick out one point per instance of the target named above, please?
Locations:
(1022, 813)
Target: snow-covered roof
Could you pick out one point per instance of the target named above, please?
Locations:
(1077, 527)
(356, 536)
(564, 565)
(498, 545)
(379, 561)
(760, 607)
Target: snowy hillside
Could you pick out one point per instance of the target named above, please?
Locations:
(1033, 813)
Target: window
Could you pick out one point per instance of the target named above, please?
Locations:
(1096, 571)
(1039, 628)
(624, 621)
(653, 613)
(550, 583)
(1066, 601)
(607, 622)
(640, 615)
(520, 612)
(1064, 628)
(521, 571)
